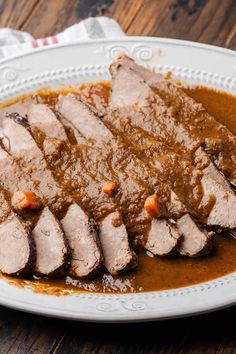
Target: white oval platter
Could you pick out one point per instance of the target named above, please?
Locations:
(62, 65)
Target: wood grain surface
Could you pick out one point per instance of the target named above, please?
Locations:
(213, 22)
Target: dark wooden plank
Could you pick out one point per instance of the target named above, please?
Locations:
(22, 333)
(50, 17)
(11, 14)
(210, 22)
(211, 333)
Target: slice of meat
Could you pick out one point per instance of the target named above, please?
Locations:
(74, 136)
(17, 251)
(117, 253)
(219, 142)
(196, 241)
(86, 257)
(19, 142)
(14, 178)
(40, 116)
(157, 121)
(203, 162)
(163, 238)
(223, 212)
(71, 109)
(42, 119)
(51, 246)
(121, 68)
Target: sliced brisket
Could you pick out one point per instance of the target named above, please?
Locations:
(218, 141)
(17, 251)
(95, 171)
(130, 166)
(21, 145)
(155, 119)
(157, 225)
(117, 252)
(86, 257)
(46, 231)
(52, 250)
(75, 175)
(196, 241)
(39, 179)
(131, 191)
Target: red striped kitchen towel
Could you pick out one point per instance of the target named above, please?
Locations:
(14, 42)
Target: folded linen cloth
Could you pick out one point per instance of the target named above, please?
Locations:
(14, 42)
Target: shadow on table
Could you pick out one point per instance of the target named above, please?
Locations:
(213, 333)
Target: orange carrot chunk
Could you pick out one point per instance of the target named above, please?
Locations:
(25, 200)
(151, 206)
(109, 188)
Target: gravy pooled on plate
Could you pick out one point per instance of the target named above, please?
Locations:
(152, 273)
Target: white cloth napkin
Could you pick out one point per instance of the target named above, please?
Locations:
(13, 42)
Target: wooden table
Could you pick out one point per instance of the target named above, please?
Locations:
(211, 21)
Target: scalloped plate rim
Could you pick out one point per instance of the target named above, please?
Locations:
(124, 307)
(124, 39)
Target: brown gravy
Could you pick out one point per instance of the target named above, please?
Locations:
(152, 273)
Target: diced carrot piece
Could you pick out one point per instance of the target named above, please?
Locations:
(25, 200)
(168, 75)
(151, 206)
(31, 169)
(109, 188)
